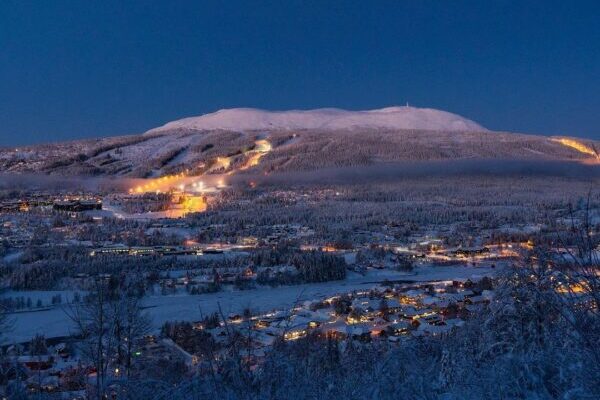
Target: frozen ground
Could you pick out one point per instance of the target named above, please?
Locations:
(54, 322)
(44, 295)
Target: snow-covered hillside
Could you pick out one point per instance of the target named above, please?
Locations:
(285, 141)
(242, 119)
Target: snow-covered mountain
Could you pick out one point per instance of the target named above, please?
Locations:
(246, 119)
(238, 140)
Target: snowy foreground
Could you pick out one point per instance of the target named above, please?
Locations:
(53, 322)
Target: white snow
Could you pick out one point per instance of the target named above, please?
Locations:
(54, 322)
(242, 119)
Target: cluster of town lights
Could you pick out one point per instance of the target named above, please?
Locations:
(158, 184)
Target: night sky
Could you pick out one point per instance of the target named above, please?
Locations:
(77, 69)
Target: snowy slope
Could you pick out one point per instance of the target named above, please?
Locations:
(240, 119)
(298, 141)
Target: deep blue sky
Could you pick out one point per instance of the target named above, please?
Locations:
(74, 69)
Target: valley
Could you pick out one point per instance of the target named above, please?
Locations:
(303, 228)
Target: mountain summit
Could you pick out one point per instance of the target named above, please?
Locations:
(241, 119)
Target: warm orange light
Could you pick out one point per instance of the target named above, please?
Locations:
(580, 147)
(262, 148)
(254, 160)
(193, 204)
(183, 203)
(575, 288)
(223, 162)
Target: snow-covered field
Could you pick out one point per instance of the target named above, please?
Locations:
(45, 296)
(53, 322)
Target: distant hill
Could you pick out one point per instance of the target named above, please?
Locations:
(241, 140)
(244, 119)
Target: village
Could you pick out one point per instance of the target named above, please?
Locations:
(389, 313)
(219, 282)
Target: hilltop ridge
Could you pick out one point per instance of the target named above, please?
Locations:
(243, 119)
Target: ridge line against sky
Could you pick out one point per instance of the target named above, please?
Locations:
(74, 70)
